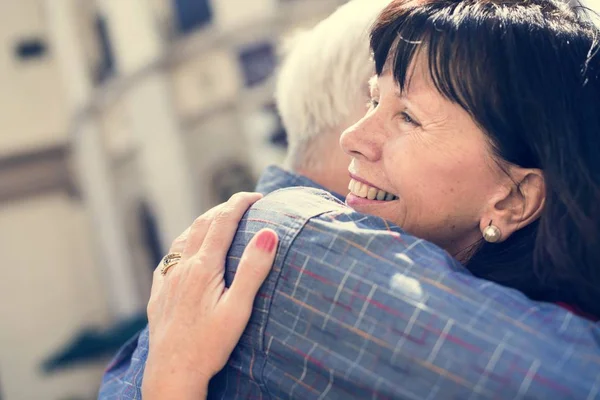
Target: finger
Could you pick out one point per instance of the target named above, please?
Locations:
(253, 269)
(157, 278)
(157, 285)
(224, 225)
(179, 244)
(198, 232)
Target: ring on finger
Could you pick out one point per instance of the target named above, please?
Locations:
(170, 260)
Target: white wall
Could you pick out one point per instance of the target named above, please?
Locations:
(594, 5)
(48, 291)
(33, 111)
(49, 288)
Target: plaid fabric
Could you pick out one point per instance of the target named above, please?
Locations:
(356, 309)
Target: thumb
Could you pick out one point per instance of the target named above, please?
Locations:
(254, 267)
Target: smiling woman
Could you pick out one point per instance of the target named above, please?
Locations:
(433, 158)
(484, 124)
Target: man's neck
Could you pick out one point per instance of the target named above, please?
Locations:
(321, 176)
(314, 175)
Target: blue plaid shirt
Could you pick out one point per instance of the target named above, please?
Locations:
(355, 308)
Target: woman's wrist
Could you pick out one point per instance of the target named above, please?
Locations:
(166, 382)
(174, 388)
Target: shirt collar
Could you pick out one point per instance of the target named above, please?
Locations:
(274, 178)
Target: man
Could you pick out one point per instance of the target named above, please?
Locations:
(322, 89)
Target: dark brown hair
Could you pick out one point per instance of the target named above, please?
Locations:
(527, 71)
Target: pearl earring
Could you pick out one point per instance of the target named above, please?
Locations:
(492, 233)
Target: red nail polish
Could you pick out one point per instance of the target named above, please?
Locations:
(266, 241)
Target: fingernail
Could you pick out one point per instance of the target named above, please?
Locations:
(266, 241)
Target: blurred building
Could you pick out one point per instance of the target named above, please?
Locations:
(120, 121)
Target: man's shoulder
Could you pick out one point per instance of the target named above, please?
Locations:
(301, 202)
(356, 298)
(324, 218)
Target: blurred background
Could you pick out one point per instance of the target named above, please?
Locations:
(120, 122)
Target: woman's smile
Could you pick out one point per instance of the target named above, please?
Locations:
(361, 189)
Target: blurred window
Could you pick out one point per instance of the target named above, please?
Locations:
(31, 48)
(192, 14)
(258, 62)
(106, 64)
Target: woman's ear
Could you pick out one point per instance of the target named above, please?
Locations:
(517, 205)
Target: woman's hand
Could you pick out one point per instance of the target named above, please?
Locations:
(194, 320)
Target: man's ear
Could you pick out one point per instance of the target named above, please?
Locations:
(516, 205)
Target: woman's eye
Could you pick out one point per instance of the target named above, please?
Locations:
(408, 119)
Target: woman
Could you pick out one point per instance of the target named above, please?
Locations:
(481, 137)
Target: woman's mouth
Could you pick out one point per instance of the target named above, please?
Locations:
(365, 191)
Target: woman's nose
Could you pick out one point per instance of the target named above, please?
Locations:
(364, 139)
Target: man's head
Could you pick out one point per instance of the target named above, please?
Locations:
(322, 89)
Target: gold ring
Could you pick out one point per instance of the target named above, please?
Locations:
(170, 260)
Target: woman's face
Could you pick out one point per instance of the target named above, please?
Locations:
(428, 153)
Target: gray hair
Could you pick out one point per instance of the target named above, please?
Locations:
(324, 75)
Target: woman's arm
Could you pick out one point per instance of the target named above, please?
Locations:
(194, 320)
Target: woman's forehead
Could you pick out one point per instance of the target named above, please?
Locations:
(418, 78)
(421, 96)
